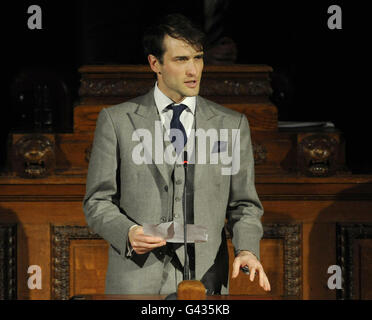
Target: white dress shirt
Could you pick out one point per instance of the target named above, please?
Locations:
(187, 116)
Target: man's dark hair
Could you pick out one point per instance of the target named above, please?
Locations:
(176, 26)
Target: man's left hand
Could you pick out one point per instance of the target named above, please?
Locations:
(246, 258)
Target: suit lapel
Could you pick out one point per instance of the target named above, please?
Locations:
(146, 117)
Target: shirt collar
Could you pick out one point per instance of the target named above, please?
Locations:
(162, 101)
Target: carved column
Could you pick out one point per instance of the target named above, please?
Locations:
(347, 234)
(8, 265)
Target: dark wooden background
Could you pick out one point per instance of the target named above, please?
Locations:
(319, 74)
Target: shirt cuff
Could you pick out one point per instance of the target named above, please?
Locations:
(129, 247)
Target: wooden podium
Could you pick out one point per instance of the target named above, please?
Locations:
(317, 214)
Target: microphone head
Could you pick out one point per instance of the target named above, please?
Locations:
(185, 161)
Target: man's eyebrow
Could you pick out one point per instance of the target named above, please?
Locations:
(179, 57)
(188, 57)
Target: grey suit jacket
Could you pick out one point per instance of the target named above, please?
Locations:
(120, 193)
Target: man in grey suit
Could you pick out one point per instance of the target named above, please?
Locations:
(123, 193)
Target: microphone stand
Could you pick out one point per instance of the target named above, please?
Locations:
(187, 290)
(186, 268)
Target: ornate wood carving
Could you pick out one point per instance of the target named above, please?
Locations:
(114, 87)
(61, 237)
(135, 87)
(108, 83)
(8, 265)
(33, 155)
(291, 235)
(259, 153)
(318, 154)
(346, 234)
(233, 87)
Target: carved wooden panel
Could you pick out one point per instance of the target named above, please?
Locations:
(354, 256)
(281, 259)
(88, 265)
(8, 266)
(62, 238)
(272, 259)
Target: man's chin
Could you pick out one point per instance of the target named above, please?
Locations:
(190, 92)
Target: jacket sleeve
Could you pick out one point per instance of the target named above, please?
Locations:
(244, 209)
(101, 203)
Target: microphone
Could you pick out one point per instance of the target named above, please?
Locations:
(185, 161)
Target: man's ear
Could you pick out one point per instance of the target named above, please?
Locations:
(154, 63)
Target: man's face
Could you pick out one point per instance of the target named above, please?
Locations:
(181, 71)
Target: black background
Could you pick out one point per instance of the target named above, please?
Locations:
(325, 74)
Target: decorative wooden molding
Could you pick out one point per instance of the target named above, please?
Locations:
(259, 153)
(8, 265)
(114, 87)
(291, 235)
(110, 88)
(233, 87)
(61, 237)
(125, 81)
(346, 234)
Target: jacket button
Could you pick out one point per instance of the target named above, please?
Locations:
(166, 188)
(177, 199)
(163, 219)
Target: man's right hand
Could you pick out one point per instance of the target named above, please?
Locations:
(142, 243)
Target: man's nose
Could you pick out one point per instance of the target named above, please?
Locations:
(191, 69)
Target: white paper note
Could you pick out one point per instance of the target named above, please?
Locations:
(173, 232)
